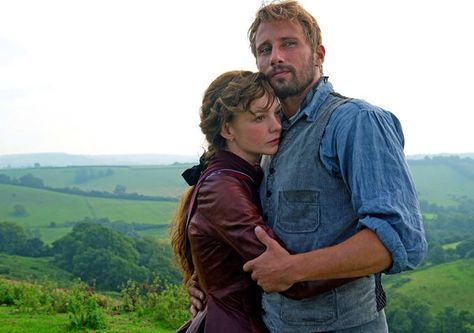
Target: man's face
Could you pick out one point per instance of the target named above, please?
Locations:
(285, 57)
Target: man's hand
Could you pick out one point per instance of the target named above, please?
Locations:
(269, 270)
(196, 297)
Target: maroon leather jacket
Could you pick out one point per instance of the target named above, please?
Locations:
(222, 239)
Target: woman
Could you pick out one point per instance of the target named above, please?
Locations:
(239, 118)
(213, 229)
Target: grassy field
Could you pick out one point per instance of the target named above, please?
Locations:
(44, 207)
(148, 180)
(33, 269)
(448, 284)
(435, 182)
(15, 322)
(439, 183)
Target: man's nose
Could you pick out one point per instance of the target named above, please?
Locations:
(277, 56)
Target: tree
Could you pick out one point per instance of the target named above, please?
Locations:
(4, 179)
(31, 181)
(466, 248)
(436, 254)
(106, 269)
(12, 237)
(120, 189)
(95, 252)
(157, 256)
(34, 247)
(83, 175)
(452, 321)
(19, 211)
(408, 314)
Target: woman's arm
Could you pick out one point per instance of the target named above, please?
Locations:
(235, 216)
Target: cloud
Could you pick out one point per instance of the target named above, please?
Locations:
(10, 52)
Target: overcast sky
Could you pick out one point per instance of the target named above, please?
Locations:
(121, 77)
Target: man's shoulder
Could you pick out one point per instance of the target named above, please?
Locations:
(358, 115)
(354, 108)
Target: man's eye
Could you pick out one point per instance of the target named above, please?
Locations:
(289, 43)
(259, 118)
(264, 50)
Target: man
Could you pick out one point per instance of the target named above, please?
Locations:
(338, 192)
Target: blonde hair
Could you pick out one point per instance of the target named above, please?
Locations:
(286, 11)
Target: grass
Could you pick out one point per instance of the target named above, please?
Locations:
(451, 246)
(33, 269)
(167, 180)
(438, 183)
(148, 180)
(15, 322)
(44, 207)
(164, 180)
(448, 284)
(162, 233)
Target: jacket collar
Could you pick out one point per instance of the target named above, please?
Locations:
(227, 160)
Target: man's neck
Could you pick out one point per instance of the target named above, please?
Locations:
(292, 104)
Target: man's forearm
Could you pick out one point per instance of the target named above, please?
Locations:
(360, 255)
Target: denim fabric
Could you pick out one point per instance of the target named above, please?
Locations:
(378, 325)
(340, 167)
(351, 305)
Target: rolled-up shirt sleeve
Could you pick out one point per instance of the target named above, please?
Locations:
(364, 145)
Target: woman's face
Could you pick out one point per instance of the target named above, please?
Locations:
(251, 134)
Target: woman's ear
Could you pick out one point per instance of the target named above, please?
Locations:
(227, 132)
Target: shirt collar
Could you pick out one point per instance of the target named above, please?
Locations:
(313, 100)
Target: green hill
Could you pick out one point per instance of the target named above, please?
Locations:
(439, 180)
(440, 286)
(44, 207)
(147, 180)
(441, 183)
(33, 269)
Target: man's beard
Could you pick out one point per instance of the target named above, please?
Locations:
(295, 86)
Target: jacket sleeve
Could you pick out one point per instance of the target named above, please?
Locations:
(227, 202)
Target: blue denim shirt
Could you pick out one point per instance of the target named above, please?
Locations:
(340, 167)
(363, 145)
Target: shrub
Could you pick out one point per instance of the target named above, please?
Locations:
(84, 312)
(28, 298)
(4, 270)
(7, 295)
(130, 296)
(172, 306)
(168, 304)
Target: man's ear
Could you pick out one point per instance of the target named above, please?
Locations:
(227, 132)
(319, 55)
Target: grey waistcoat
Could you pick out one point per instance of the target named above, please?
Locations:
(309, 208)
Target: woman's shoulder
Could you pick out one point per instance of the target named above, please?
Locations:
(226, 182)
